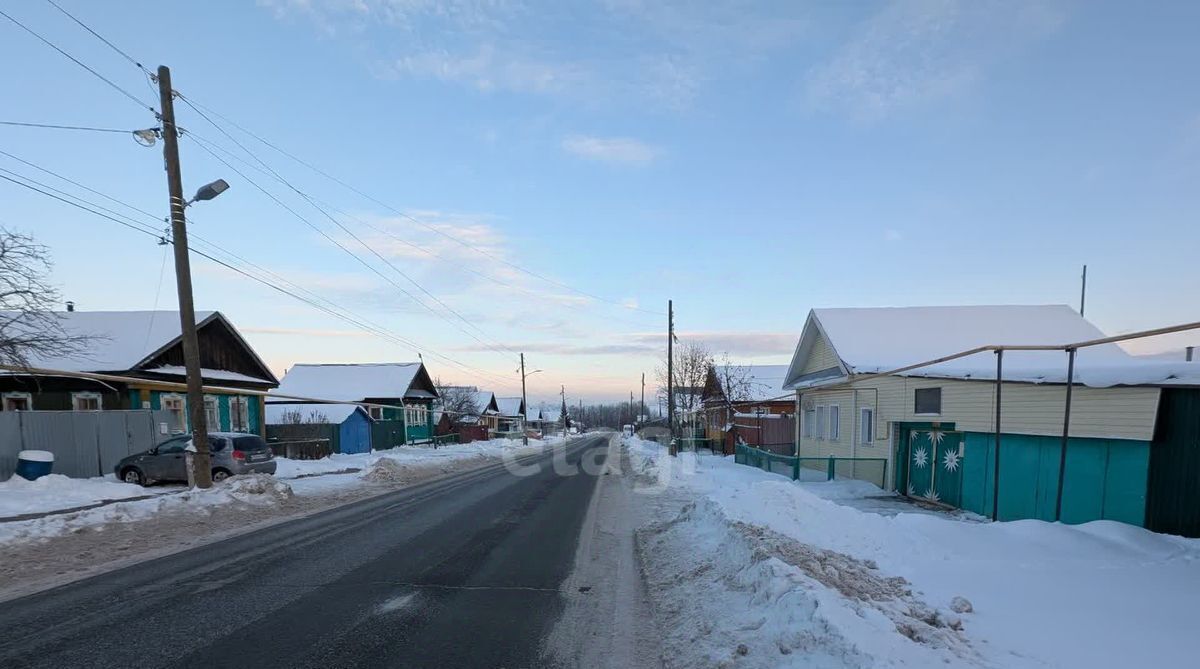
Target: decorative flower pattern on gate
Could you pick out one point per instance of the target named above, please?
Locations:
(932, 495)
(920, 457)
(912, 492)
(935, 437)
(950, 460)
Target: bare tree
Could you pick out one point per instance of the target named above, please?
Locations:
(736, 381)
(692, 361)
(29, 328)
(457, 401)
(297, 417)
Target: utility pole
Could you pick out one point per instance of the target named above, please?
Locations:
(1083, 291)
(671, 376)
(202, 471)
(642, 407)
(563, 393)
(632, 417)
(524, 407)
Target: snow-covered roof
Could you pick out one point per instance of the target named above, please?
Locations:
(871, 340)
(119, 339)
(764, 382)
(335, 413)
(509, 406)
(353, 382)
(482, 399)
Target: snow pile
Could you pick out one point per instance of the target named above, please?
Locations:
(734, 594)
(19, 496)
(1026, 593)
(257, 489)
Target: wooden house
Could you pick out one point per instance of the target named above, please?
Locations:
(487, 411)
(747, 391)
(511, 413)
(147, 346)
(405, 390)
(934, 428)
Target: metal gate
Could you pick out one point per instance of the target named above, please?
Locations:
(932, 464)
(84, 443)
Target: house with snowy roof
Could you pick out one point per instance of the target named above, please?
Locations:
(933, 428)
(748, 391)
(404, 391)
(512, 414)
(347, 427)
(146, 347)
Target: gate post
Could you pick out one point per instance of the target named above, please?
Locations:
(831, 468)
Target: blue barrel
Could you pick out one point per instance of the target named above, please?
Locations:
(33, 465)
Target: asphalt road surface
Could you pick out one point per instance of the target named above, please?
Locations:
(461, 572)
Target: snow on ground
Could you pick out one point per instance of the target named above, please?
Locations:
(19, 496)
(404, 466)
(759, 571)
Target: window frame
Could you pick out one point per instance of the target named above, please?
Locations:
(833, 427)
(917, 391)
(181, 424)
(376, 413)
(866, 426)
(809, 418)
(820, 422)
(214, 419)
(87, 395)
(17, 395)
(239, 413)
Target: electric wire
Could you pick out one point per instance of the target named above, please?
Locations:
(52, 126)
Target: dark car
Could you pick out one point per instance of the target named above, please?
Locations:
(232, 453)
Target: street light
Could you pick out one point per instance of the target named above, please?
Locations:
(209, 191)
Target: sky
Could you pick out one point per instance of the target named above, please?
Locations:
(547, 176)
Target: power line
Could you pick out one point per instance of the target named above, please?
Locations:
(52, 126)
(80, 63)
(203, 144)
(128, 223)
(197, 106)
(99, 37)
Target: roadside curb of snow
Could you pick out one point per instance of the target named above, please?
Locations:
(736, 594)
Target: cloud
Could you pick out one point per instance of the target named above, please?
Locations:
(737, 344)
(920, 51)
(621, 150)
(647, 54)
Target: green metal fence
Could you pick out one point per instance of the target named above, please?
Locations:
(443, 439)
(871, 470)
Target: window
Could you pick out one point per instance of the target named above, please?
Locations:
(375, 412)
(810, 416)
(866, 426)
(18, 402)
(175, 445)
(820, 426)
(212, 412)
(414, 415)
(175, 406)
(835, 423)
(85, 401)
(927, 401)
(239, 414)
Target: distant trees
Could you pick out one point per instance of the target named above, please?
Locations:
(736, 381)
(690, 369)
(457, 401)
(612, 415)
(29, 328)
(298, 417)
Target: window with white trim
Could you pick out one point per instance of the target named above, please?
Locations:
(212, 412)
(86, 402)
(239, 413)
(18, 402)
(835, 422)
(414, 415)
(176, 406)
(375, 412)
(810, 416)
(866, 426)
(820, 426)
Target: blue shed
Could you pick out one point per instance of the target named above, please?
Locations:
(353, 425)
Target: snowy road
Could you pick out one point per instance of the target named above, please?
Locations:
(463, 571)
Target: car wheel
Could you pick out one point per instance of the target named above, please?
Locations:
(133, 475)
(219, 475)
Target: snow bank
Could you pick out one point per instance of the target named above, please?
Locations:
(19, 496)
(255, 489)
(1102, 594)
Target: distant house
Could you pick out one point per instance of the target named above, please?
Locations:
(347, 426)
(404, 388)
(755, 394)
(934, 427)
(488, 412)
(512, 414)
(147, 346)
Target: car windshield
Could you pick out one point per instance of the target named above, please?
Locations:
(249, 443)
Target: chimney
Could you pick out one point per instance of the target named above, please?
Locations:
(71, 306)
(1190, 350)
